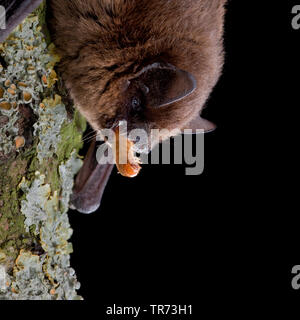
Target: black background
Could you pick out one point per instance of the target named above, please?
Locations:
(227, 238)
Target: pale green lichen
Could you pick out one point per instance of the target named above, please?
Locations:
(48, 127)
(31, 280)
(42, 193)
(42, 209)
(29, 75)
(36, 197)
(4, 279)
(7, 131)
(67, 172)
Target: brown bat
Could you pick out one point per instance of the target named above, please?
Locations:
(151, 63)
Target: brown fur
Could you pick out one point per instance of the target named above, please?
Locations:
(105, 42)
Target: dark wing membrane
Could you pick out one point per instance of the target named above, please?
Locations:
(15, 12)
(90, 183)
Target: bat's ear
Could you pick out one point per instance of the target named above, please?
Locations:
(163, 84)
(199, 124)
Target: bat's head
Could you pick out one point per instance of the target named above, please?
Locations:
(155, 96)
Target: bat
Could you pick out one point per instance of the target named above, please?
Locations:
(150, 63)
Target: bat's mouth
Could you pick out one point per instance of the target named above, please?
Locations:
(127, 163)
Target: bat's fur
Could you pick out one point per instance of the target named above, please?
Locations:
(104, 42)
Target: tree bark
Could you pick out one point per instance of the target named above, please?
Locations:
(40, 136)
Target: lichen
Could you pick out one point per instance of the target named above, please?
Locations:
(28, 279)
(36, 176)
(36, 197)
(51, 119)
(67, 171)
(25, 78)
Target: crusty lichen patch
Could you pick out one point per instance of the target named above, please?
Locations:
(39, 147)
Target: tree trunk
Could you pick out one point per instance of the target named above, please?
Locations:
(40, 136)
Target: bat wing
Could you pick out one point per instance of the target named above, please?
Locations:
(15, 12)
(90, 183)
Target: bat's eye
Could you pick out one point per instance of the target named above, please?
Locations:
(136, 104)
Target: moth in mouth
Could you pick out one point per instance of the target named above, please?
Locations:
(124, 149)
(152, 64)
